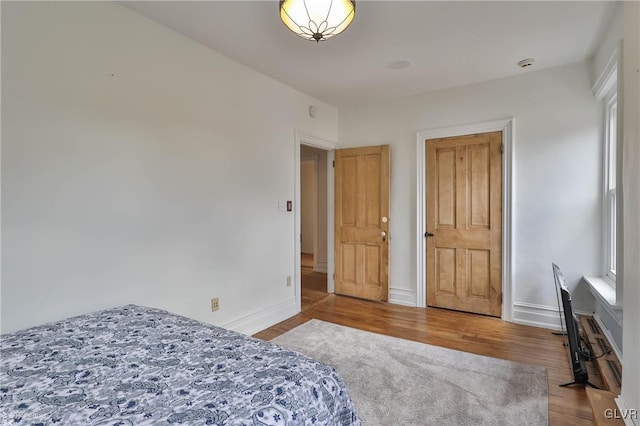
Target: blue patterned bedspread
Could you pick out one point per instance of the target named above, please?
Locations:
(134, 365)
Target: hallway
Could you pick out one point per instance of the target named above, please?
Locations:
(314, 284)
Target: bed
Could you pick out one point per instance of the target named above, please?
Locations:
(135, 365)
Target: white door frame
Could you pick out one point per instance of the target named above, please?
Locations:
(329, 146)
(507, 128)
(313, 160)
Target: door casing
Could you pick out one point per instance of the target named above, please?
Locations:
(507, 128)
(314, 216)
(301, 138)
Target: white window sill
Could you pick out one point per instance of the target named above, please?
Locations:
(603, 290)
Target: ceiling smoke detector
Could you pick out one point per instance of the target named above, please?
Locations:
(526, 62)
(399, 64)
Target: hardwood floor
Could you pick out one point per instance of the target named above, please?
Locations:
(461, 331)
(314, 284)
(306, 260)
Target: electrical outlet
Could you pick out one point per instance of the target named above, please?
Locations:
(289, 281)
(215, 304)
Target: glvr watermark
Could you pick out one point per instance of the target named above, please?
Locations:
(626, 414)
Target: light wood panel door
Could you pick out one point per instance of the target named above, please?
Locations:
(464, 223)
(362, 194)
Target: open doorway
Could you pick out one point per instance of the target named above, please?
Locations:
(313, 225)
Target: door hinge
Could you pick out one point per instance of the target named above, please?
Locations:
(334, 163)
(501, 148)
(334, 276)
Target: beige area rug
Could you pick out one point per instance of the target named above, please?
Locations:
(400, 382)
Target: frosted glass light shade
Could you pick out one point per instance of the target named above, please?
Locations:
(317, 19)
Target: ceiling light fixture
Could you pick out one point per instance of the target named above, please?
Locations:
(317, 19)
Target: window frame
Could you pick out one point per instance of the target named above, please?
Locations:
(610, 179)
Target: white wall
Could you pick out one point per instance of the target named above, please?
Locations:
(631, 208)
(321, 257)
(556, 172)
(307, 205)
(603, 62)
(141, 167)
(608, 44)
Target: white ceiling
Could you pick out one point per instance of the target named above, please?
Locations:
(448, 43)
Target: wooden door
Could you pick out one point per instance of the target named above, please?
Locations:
(362, 196)
(464, 223)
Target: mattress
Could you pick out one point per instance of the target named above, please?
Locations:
(135, 365)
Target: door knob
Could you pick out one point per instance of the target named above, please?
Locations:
(428, 234)
(383, 234)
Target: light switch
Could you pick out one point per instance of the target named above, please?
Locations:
(285, 206)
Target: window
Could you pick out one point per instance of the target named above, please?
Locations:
(610, 146)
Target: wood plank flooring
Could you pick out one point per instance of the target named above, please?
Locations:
(461, 331)
(314, 284)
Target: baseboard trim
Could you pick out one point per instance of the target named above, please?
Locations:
(536, 315)
(543, 316)
(263, 318)
(630, 417)
(321, 267)
(400, 296)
